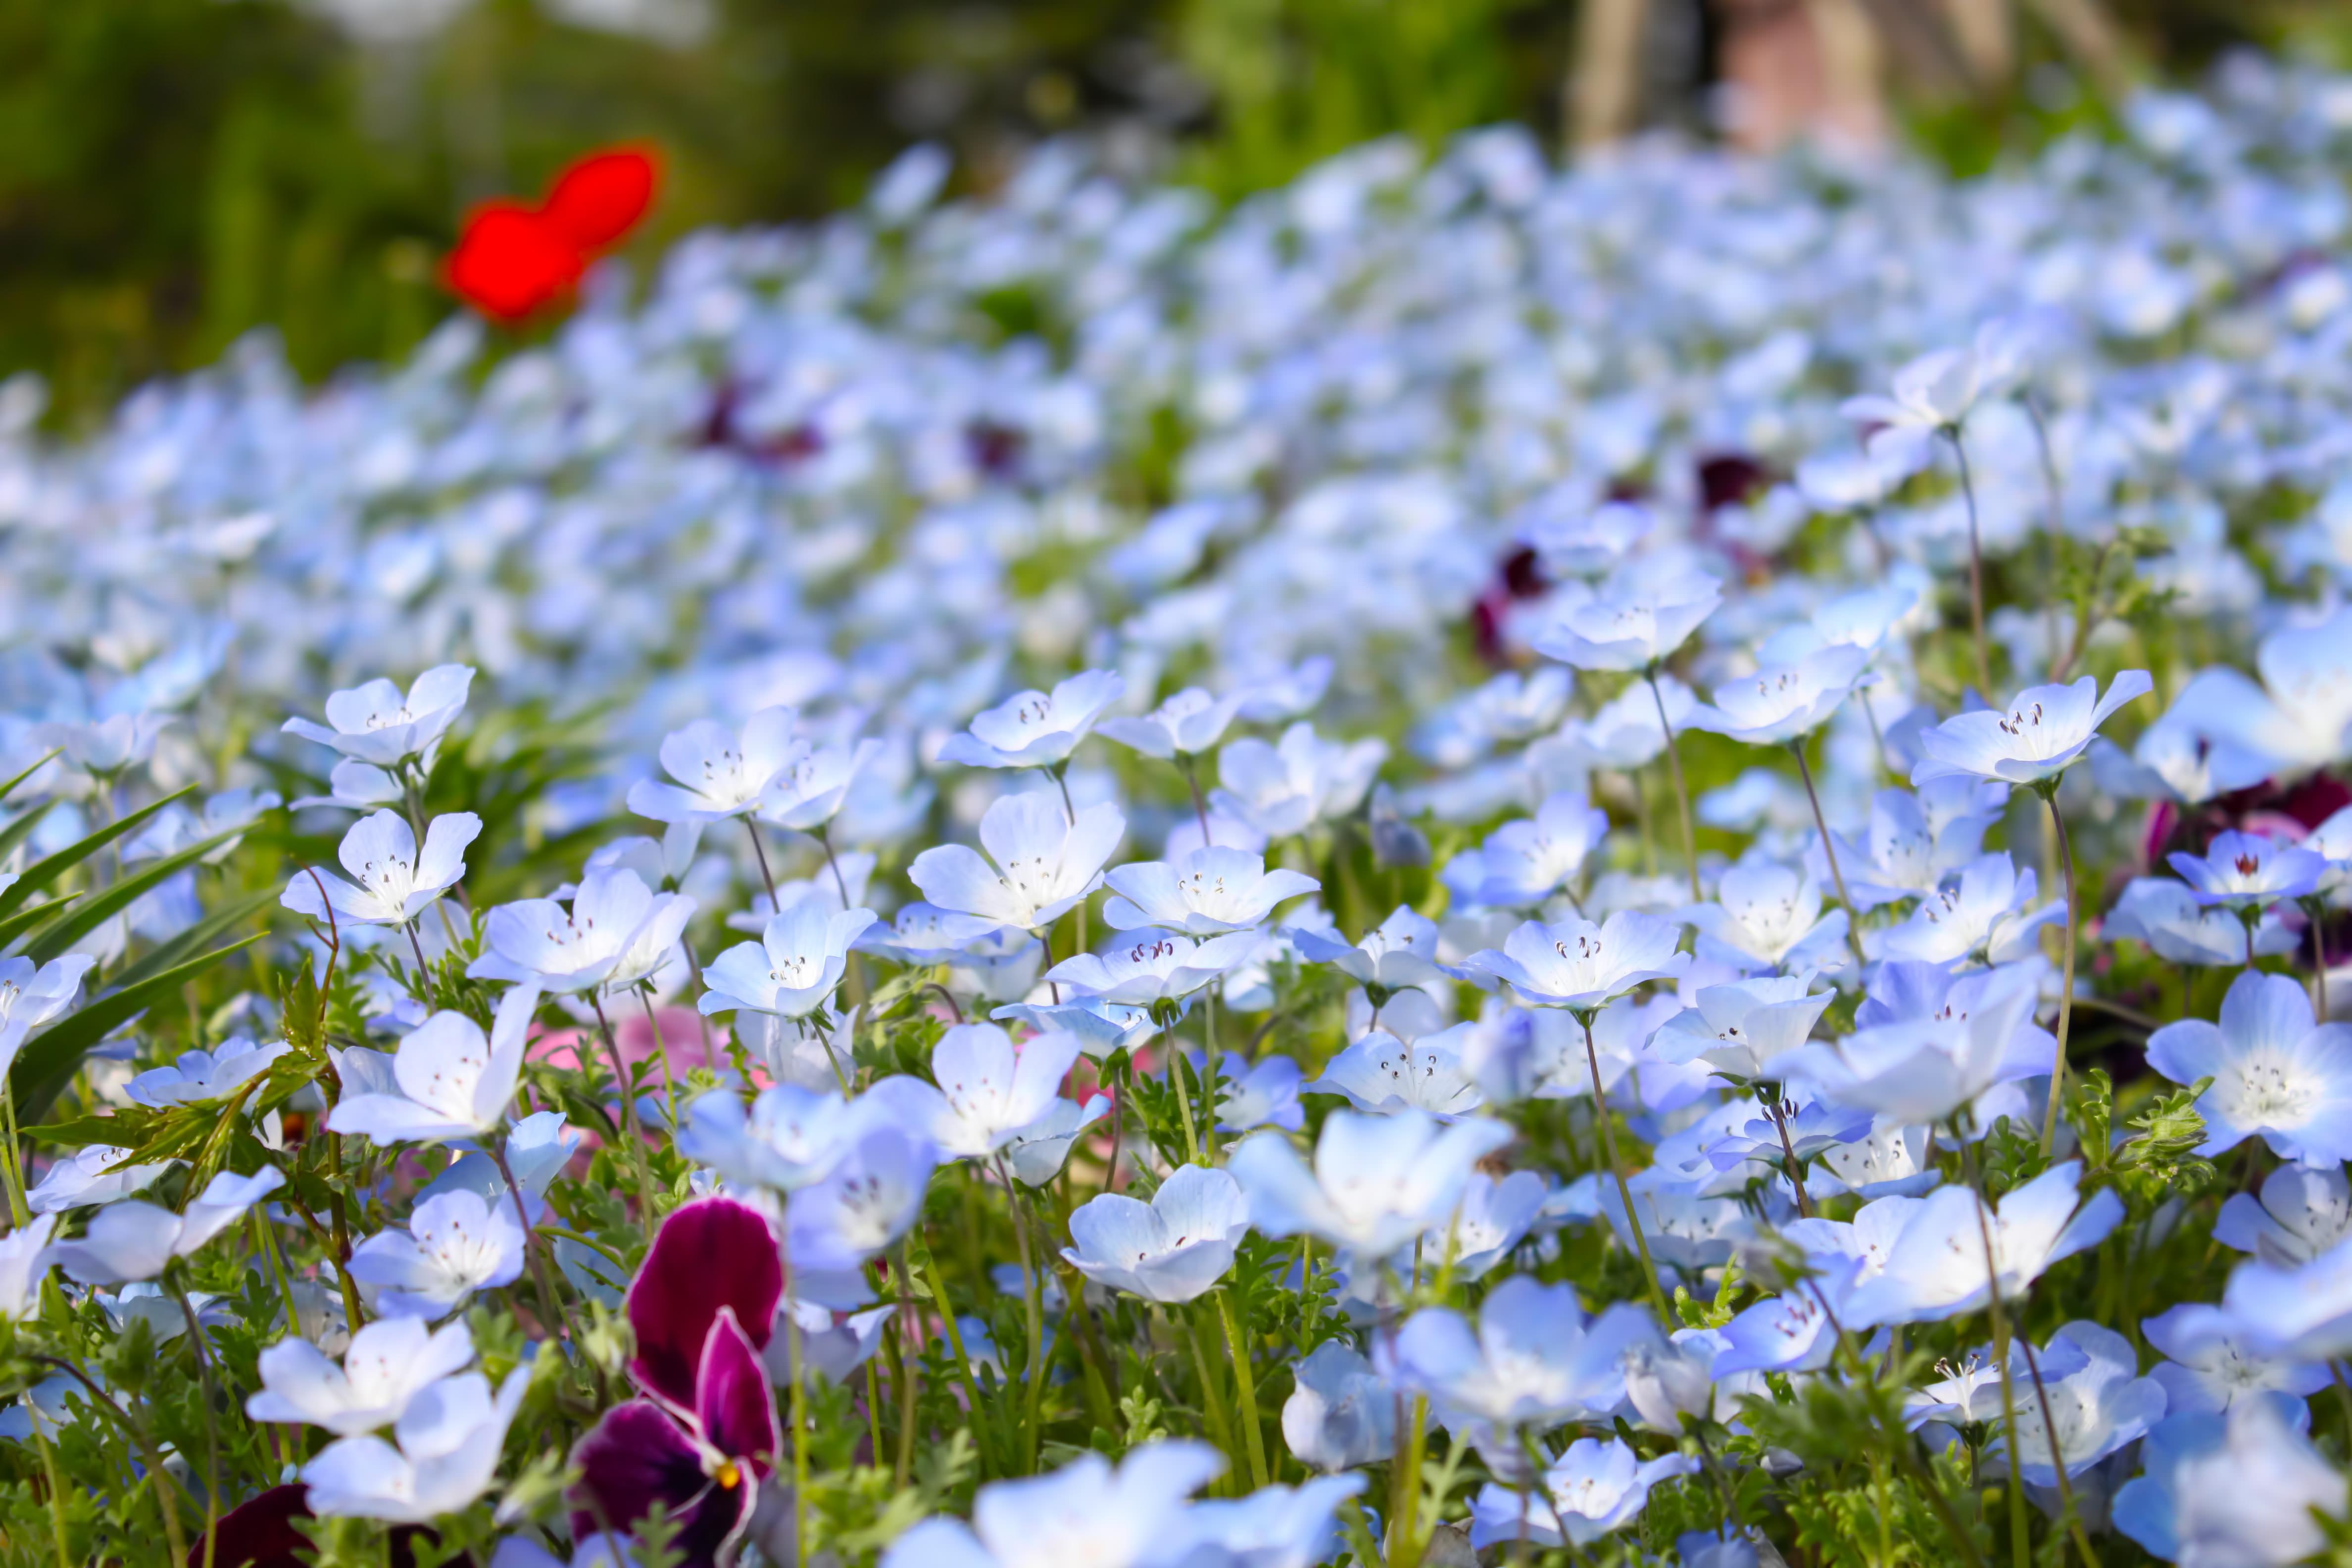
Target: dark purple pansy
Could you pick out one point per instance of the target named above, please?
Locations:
(712, 1255)
(703, 1307)
(703, 1471)
(260, 1532)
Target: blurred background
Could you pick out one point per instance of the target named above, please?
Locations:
(177, 173)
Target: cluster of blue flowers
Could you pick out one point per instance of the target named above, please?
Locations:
(1461, 1005)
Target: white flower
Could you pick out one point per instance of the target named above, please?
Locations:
(2166, 915)
(581, 948)
(1781, 703)
(1937, 1267)
(2098, 1403)
(1210, 891)
(1986, 917)
(2298, 717)
(720, 774)
(450, 1080)
(1632, 624)
(811, 790)
(1402, 951)
(1286, 788)
(1044, 863)
(1186, 724)
(1925, 1067)
(2300, 1214)
(384, 1367)
(1035, 729)
(455, 1245)
(89, 1175)
(394, 884)
(2042, 732)
(2277, 1074)
(449, 1438)
(793, 966)
(1766, 916)
(375, 725)
(31, 996)
(201, 1076)
(25, 1259)
(1579, 966)
(134, 1240)
(1381, 1073)
(992, 1091)
(1377, 1182)
(1739, 1027)
(1153, 966)
(1173, 1248)
(1525, 862)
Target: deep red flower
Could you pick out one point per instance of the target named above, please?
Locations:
(703, 1306)
(259, 1534)
(514, 260)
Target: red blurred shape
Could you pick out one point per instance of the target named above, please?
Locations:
(513, 260)
(599, 199)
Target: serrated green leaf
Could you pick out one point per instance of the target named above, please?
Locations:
(47, 1063)
(43, 873)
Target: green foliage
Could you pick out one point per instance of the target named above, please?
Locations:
(2160, 1161)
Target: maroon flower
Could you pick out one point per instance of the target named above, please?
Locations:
(700, 1447)
(261, 1533)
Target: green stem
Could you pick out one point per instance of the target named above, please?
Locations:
(1617, 1169)
(19, 1215)
(1976, 563)
(630, 1130)
(1682, 789)
(1245, 1384)
(1213, 1396)
(979, 1422)
(2066, 984)
(1829, 852)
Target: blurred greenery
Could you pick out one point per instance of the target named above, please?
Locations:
(179, 171)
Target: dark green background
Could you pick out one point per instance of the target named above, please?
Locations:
(173, 173)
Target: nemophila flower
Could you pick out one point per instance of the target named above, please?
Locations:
(787, 1138)
(196, 1077)
(1936, 1047)
(376, 724)
(392, 883)
(1401, 952)
(1188, 724)
(30, 995)
(1624, 732)
(810, 790)
(1805, 1128)
(1102, 1029)
(2167, 916)
(454, 1245)
(1986, 917)
(1276, 1526)
(1784, 702)
(449, 1079)
(581, 947)
(2042, 732)
(1632, 623)
(1036, 1153)
(448, 1442)
(2239, 1489)
(1689, 1231)
(792, 969)
(104, 747)
(2277, 1074)
(1937, 1268)
(2173, 760)
(2297, 715)
(1258, 1094)
(1523, 862)
(2213, 1363)
(1285, 788)
(179, 828)
(1581, 540)
(924, 933)
(92, 1175)
(1742, 1027)
(1173, 1248)
(2300, 1214)
(1891, 1162)
(134, 1240)
(989, 1089)
(25, 1260)
(833, 1343)
(1527, 1366)
(1766, 916)
(2098, 1403)
(386, 1365)
(1592, 1489)
(1579, 966)
(1926, 397)
(1376, 1182)
(1915, 840)
(1381, 1073)
(1037, 729)
(719, 772)
(536, 1148)
(2248, 871)
(1209, 891)
(2297, 1311)
(1084, 1515)
(1044, 863)
(1796, 1330)
(1147, 967)
(1340, 1413)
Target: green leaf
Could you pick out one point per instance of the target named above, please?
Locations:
(60, 934)
(47, 1064)
(176, 949)
(43, 873)
(38, 763)
(24, 920)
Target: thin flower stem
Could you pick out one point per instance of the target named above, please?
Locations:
(2021, 1538)
(795, 1347)
(548, 1308)
(423, 970)
(1033, 1292)
(2057, 1458)
(1976, 560)
(1177, 1075)
(211, 1396)
(824, 841)
(1796, 1170)
(1617, 1169)
(56, 1485)
(2066, 981)
(759, 851)
(980, 1425)
(1200, 806)
(1059, 774)
(1682, 789)
(1213, 1396)
(12, 1156)
(629, 1127)
(1245, 1386)
(1829, 853)
(909, 1353)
